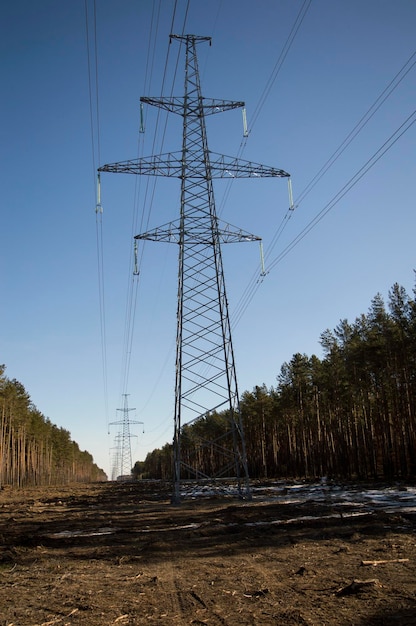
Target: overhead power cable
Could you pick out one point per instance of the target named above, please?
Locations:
(393, 84)
(134, 272)
(368, 165)
(266, 90)
(95, 152)
(132, 292)
(281, 59)
(251, 287)
(253, 284)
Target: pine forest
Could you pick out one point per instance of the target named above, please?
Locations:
(33, 451)
(350, 414)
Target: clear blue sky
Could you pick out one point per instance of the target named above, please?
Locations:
(342, 58)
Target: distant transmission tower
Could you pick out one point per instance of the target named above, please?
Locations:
(116, 456)
(206, 382)
(123, 462)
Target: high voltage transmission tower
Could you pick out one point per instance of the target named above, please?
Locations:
(115, 457)
(122, 459)
(206, 381)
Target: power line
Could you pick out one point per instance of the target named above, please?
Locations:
(97, 109)
(150, 189)
(387, 91)
(266, 92)
(253, 285)
(368, 165)
(254, 282)
(134, 277)
(91, 108)
(281, 59)
(95, 153)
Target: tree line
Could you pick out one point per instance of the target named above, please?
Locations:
(350, 414)
(33, 451)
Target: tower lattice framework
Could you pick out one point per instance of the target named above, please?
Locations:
(206, 389)
(122, 458)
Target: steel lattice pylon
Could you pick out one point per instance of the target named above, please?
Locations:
(206, 382)
(122, 459)
(116, 457)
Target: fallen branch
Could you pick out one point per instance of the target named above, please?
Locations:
(256, 594)
(59, 619)
(356, 586)
(382, 562)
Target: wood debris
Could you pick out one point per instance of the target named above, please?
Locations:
(357, 585)
(383, 562)
(256, 594)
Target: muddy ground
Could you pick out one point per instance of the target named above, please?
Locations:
(121, 554)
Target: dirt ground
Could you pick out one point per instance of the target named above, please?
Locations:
(121, 554)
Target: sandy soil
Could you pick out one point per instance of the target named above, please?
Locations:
(121, 554)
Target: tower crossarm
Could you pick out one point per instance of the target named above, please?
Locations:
(171, 164)
(177, 104)
(168, 164)
(121, 422)
(171, 233)
(225, 167)
(190, 38)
